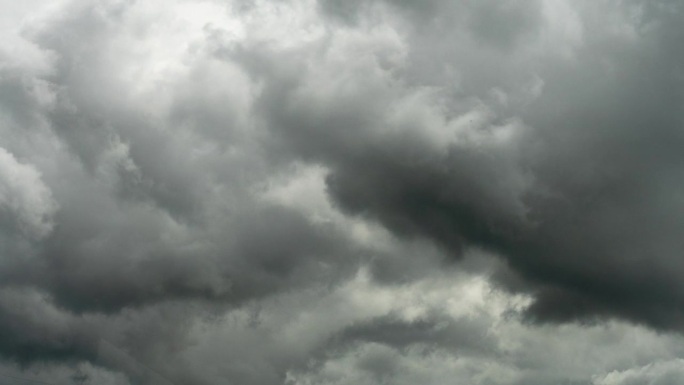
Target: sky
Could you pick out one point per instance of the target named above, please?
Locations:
(342, 192)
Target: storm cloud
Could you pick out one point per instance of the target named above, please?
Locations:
(338, 192)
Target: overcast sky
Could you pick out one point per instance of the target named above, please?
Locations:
(342, 192)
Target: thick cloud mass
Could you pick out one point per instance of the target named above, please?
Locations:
(342, 192)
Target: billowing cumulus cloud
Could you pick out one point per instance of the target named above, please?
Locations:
(341, 192)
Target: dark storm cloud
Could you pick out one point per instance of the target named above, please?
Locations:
(123, 216)
(30, 330)
(581, 195)
(141, 157)
(139, 223)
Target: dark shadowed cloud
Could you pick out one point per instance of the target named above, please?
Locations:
(342, 192)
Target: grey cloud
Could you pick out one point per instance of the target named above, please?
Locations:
(143, 218)
(139, 223)
(24, 199)
(543, 133)
(660, 373)
(31, 330)
(581, 197)
(463, 336)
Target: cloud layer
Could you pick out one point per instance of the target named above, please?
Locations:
(338, 192)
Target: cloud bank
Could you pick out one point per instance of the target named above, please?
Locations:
(342, 192)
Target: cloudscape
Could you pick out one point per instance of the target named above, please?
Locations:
(342, 192)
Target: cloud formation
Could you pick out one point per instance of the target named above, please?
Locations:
(333, 192)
